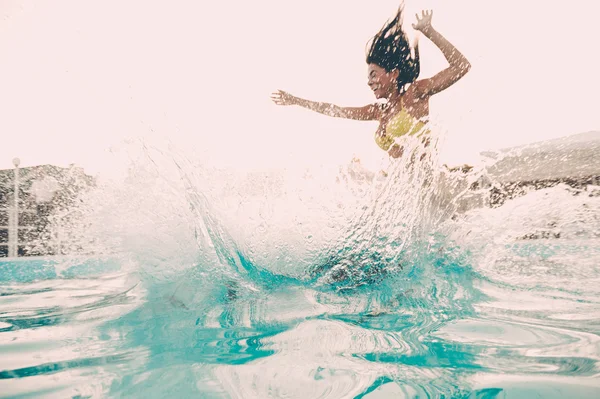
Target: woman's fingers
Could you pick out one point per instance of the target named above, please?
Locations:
(424, 14)
(277, 98)
(280, 97)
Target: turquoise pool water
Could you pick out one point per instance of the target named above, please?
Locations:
(441, 328)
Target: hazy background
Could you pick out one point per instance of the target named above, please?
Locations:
(77, 77)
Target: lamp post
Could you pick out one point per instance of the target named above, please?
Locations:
(15, 230)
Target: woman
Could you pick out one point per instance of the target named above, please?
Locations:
(393, 71)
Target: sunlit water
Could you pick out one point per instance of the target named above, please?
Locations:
(309, 283)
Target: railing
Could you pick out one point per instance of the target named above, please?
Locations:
(39, 211)
(9, 219)
(5, 231)
(18, 221)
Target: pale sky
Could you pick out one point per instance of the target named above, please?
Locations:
(78, 77)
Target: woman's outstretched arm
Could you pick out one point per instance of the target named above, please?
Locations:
(459, 65)
(367, 113)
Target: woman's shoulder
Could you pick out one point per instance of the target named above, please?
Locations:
(380, 109)
(415, 91)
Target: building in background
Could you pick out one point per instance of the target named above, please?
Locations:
(43, 191)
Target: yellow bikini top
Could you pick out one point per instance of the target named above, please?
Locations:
(400, 125)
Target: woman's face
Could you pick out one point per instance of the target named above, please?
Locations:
(382, 83)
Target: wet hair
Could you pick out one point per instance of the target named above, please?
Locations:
(390, 49)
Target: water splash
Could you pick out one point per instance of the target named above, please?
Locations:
(305, 282)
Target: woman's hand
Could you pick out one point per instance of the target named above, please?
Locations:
(424, 23)
(281, 97)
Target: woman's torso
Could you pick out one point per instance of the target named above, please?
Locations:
(406, 117)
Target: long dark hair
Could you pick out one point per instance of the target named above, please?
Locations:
(390, 49)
